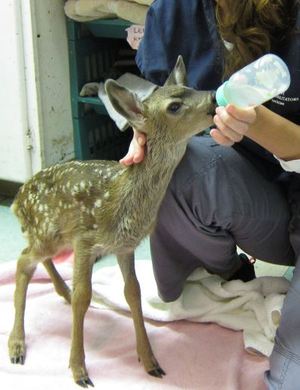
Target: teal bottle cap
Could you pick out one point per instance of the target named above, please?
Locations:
(220, 98)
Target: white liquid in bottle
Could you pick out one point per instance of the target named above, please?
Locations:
(256, 83)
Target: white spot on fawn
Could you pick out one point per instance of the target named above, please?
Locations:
(98, 203)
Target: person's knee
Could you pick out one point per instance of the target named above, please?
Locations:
(197, 160)
(284, 369)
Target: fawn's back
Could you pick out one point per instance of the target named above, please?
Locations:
(63, 201)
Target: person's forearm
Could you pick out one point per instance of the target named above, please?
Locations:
(276, 134)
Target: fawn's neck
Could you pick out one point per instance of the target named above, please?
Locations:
(155, 172)
(145, 187)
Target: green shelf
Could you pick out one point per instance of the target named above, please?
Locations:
(108, 28)
(97, 104)
(93, 49)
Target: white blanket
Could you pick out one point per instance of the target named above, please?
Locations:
(253, 307)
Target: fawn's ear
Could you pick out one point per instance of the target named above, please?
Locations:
(178, 74)
(126, 104)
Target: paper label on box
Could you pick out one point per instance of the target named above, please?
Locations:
(134, 35)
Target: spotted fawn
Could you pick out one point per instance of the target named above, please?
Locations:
(101, 207)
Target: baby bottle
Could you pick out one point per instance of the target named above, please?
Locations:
(256, 83)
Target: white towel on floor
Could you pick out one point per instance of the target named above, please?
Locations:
(253, 307)
(141, 87)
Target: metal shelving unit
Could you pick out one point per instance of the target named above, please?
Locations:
(93, 48)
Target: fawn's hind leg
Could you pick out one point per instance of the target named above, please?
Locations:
(16, 341)
(59, 284)
(133, 297)
(81, 298)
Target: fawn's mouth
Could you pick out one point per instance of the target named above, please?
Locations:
(213, 105)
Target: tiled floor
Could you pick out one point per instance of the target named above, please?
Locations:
(12, 243)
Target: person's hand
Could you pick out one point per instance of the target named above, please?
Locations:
(136, 151)
(232, 124)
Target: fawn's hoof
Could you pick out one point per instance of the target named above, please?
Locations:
(157, 372)
(85, 382)
(153, 368)
(17, 352)
(80, 375)
(17, 359)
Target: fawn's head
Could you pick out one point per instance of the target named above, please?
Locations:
(174, 110)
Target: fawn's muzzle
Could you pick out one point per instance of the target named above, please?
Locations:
(213, 106)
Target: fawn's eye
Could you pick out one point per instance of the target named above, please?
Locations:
(174, 107)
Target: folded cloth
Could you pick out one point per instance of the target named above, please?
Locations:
(84, 12)
(253, 307)
(135, 13)
(141, 87)
(144, 2)
(87, 10)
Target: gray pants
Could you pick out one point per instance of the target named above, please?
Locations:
(216, 201)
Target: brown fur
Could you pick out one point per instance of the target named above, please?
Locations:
(101, 207)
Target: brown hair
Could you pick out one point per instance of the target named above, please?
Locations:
(253, 26)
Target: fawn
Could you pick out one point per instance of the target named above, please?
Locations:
(102, 207)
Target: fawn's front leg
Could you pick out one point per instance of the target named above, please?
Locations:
(133, 296)
(16, 341)
(81, 298)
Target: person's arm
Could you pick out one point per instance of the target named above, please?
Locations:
(270, 130)
(275, 133)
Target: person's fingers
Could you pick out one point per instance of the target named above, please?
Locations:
(247, 115)
(230, 122)
(141, 139)
(220, 138)
(139, 155)
(226, 130)
(126, 160)
(136, 151)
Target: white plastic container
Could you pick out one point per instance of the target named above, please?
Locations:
(256, 83)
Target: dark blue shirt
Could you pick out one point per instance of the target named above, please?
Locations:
(188, 27)
(185, 27)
